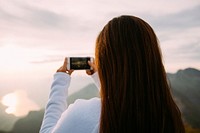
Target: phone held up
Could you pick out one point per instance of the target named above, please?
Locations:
(79, 63)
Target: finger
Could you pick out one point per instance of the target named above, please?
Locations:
(64, 67)
(65, 63)
(92, 64)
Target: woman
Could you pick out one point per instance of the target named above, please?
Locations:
(135, 96)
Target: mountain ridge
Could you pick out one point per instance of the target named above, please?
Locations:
(185, 87)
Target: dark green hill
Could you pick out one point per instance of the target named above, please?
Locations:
(87, 92)
(185, 88)
(29, 124)
(32, 122)
(6, 120)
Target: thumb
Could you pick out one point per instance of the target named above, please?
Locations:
(91, 64)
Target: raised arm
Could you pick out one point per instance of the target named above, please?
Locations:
(57, 102)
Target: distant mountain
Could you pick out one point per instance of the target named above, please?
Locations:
(7, 120)
(186, 89)
(29, 124)
(87, 92)
(32, 122)
(185, 86)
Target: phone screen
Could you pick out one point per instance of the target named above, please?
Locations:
(79, 63)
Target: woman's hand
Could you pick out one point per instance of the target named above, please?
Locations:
(64, 68)
(92, 64)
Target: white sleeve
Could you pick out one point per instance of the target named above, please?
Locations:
(95, 77)
(80, 117)
(57, 102)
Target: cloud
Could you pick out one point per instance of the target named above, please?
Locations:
(184, 19)
(57, 26)
(41, 28)
(70, 27)
(179, 35)
(190, 52)
(79, 16)
(34, 17)
(18, 103)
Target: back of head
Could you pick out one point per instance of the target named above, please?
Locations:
(134, 90)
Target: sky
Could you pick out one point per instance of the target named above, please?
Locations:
(35, 37)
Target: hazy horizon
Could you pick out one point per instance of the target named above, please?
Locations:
(36, 36)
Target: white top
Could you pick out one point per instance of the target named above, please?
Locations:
(81, 117)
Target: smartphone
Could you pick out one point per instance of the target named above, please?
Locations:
(79, 63)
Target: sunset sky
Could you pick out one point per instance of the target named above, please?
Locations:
(36, 35)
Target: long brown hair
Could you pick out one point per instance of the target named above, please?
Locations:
(135, 95)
